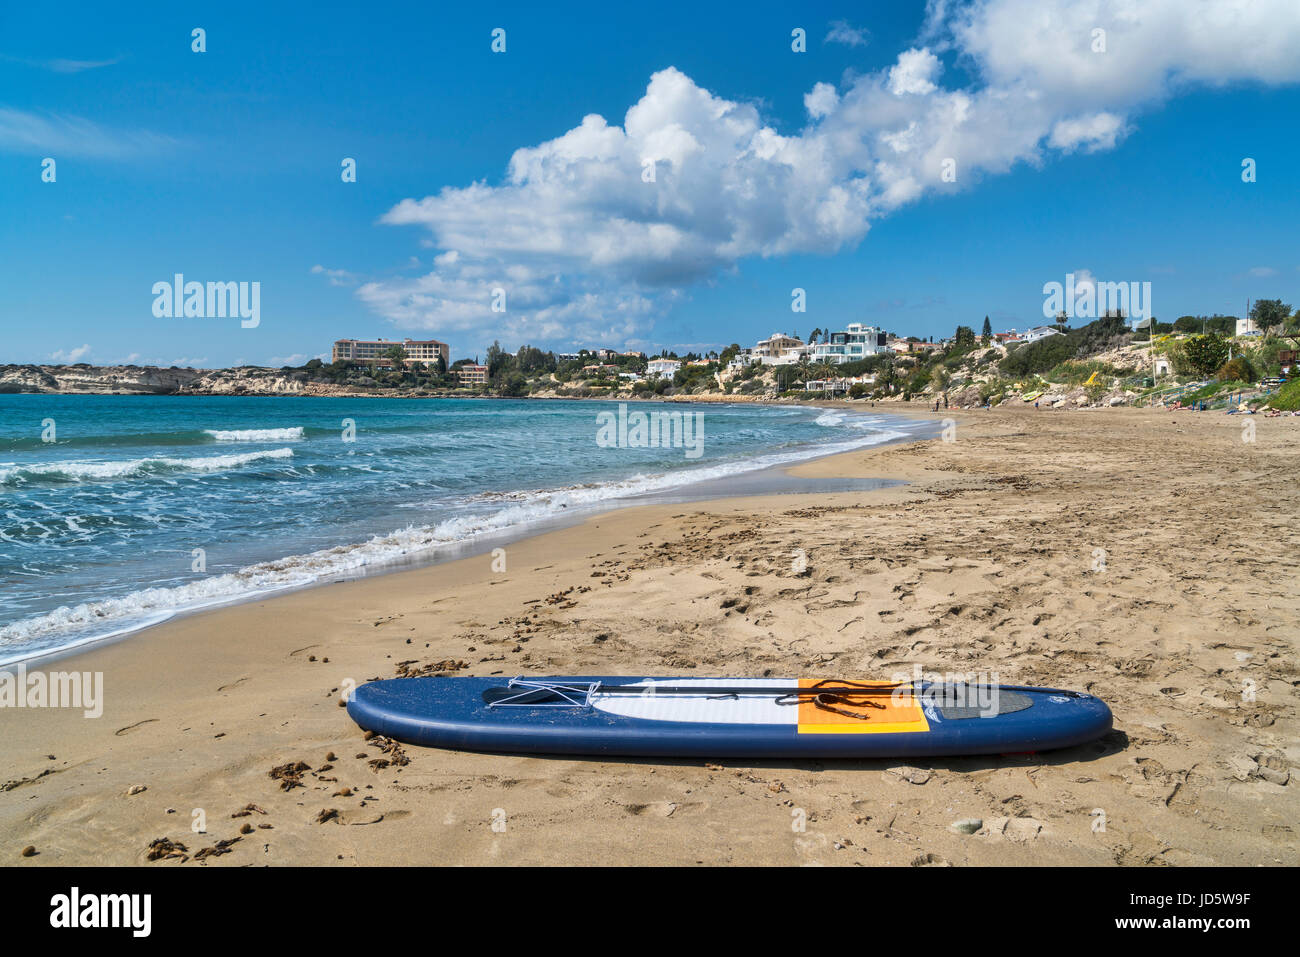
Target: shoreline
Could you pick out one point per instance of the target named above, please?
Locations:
(475, 544)
(699, 399)
(973, 565)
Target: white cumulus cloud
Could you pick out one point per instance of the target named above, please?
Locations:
(71, 355)
(592, 234)
(842, 31)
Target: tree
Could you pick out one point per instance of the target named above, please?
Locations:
(497, 359)
(886, 377)
(988, 331)
(964, 337)
(513, 384)
(398, 355)
(1205, 354)
(1269, 312)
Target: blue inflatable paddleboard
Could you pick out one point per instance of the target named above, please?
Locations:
(726, 717)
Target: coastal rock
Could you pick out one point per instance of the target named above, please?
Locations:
(107, 380)
(150, 380)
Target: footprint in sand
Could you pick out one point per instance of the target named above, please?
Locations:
(131, 727)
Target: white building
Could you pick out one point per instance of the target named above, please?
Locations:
(1040, 332)
(842, 384)
(663, 367)
(1247, 327)
(854, 343)
(742, 359)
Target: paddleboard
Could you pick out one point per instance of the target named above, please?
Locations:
(726, 717)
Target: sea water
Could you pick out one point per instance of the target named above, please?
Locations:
(117, 512)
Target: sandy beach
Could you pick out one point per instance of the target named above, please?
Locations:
(1146, 557)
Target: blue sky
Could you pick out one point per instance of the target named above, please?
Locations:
(225, 166)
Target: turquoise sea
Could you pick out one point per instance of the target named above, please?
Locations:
(119, 511)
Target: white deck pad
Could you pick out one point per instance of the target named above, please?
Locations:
(704, 709)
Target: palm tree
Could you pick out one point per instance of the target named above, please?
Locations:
(825, 371)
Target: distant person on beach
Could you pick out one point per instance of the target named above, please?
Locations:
(1035, 403)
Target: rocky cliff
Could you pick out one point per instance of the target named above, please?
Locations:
(149, 380)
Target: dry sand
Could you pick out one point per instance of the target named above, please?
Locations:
(987, 561)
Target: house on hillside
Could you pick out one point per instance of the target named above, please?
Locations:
(742, 359)
(664, 367)
(1040, 332)
(854, 343)
(779, 349)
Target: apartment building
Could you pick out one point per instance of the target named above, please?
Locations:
(373, 351)
(472, 375)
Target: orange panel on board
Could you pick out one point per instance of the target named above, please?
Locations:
(900, 712)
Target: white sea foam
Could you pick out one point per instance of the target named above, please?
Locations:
(90, 471)
(256, 435)
(70, 626)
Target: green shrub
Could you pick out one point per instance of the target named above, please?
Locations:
(1205, 354)
(1075, 371)
(1045, 354)
(1286, 398)
(1237, 369)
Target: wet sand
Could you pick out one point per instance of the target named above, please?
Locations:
(1147, 557)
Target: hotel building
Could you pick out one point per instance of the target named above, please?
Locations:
(372, 351)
